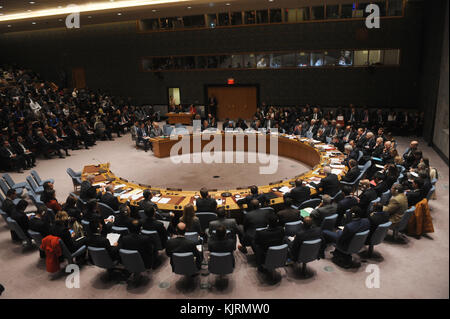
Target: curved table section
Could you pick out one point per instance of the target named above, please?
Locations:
(172, 199)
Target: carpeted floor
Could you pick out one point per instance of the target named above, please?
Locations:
(417, 268)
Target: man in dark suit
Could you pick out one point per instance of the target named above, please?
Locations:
(352, 173)
(415, 195)
(11, 158)
(143, 244)
(8, 205)
(308, 232)
(151, 223)
(325, 209)
(376, 217)
(96, 239)
(47, 146)
(123, 219)
(20, 149)
(299, 193)
(272, 236)
(262, 199)
(342, 238)
(229, 223)
(288, 214)
(179, 244)
(20, 217)
(147, 201)
(205, 203)
(255, 218)
(87, 190)
(109, 199)
(220, 243)
(330, 184)
(346, 203)
(369, 194)
(38, 224)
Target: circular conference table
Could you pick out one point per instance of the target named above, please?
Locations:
(313, 153)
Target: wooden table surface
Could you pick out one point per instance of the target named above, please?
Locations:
(179, 118)
(173, 199)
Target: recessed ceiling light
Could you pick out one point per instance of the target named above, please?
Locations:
(89, 17)
(32, 2)
(33, 22)
(153, 10)
(119, 14)
(228, 4)
(189, 7)
(9, 26)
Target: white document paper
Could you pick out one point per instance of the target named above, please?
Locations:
(113, 238)
(285, 189)
(336, 171)
(164, 200)
(199, 248)
(155, 199)
(119, 186)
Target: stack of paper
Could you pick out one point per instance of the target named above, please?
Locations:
(219, 201)
(336, 171)
(155, 199)
(164, 200)
(284, 189)
(113, 238)
(119, 186)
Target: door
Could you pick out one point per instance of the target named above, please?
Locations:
(234, 102)
(78, 78)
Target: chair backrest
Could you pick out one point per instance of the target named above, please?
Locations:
(276, 257)
(9, 180)
(105, 210)
(5, 217)
(376, 200)
(100, 257)
(132, 260)
(329, 222)
(36, 177)
(309, 250)
(179, 125)
(13, 225)
(205, 218)
(184, 264)
(310, 203)
(357, 242)
(70, 172)
(290, 229)
(191, 236)
(1, 198)
(32, 183)
(81, 205)
(338, 196)
(309, 134)
(36, 236)
(65, 251)
(119, 230)
(403, 223)
(220, 263)
(85, 225)
(433, 181)
(153, 234)
(401, 167)
(379, 233)
(360, 155)
(4, 187)
(385, 197)
(430, 192)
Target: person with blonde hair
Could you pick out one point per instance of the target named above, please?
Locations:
(61, 229)
(192, 222)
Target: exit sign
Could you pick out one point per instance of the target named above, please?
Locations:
(230, 81)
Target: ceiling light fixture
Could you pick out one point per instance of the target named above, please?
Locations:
(97, 6)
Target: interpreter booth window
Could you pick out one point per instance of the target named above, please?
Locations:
(262, 16)
(347, 10)
(213, 62)
(376, 57)
(317, 59)
(168, 23)
(194, 21)
(236, 18)
(225, 62)
(250, 17)
(211, 20)
(289, 60)
(303, 59)
(395, 8)
(275, 16)
(317, 12)
(161, 63)
(262, 61)
(276, 61)
(224, 19)
(332, 11)
(188, 62)
(360, 57)
(149, 24)
(202, 62)
(249, 61)
(236, 61)
(392, 57)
